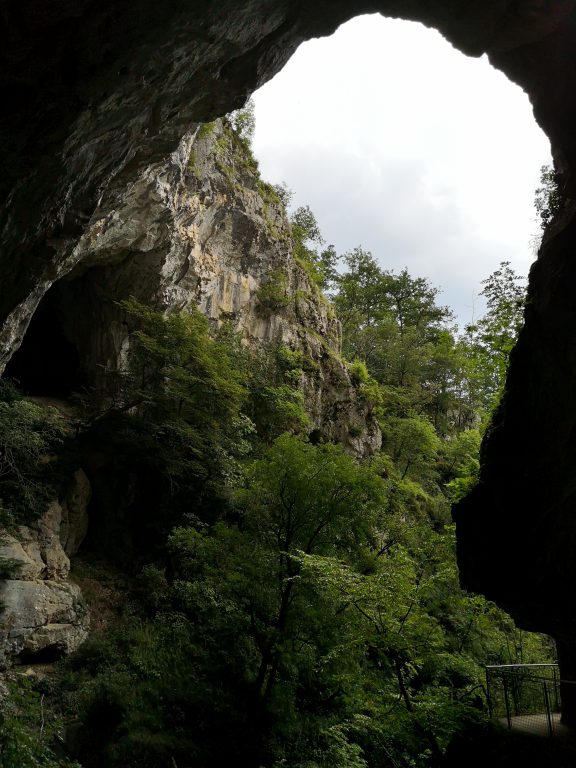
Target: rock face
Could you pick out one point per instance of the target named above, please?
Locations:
(202, 229)
(95, 94)
(43, 614)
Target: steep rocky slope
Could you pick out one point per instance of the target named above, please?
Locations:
(199, 229)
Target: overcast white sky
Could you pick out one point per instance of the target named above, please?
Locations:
(403, 145)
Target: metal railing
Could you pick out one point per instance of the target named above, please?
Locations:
(525, 697)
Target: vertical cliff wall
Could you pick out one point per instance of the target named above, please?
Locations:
(200, 229)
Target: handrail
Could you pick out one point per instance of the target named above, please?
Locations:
(532, 664)
(511, 667)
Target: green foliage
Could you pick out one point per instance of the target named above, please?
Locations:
(413, 444)
(29, 734)
(368, 295)
(358, 372)
(269, 193)
(368, 389)
(311, 496)
(9, 392)
(179, 375)
(548, 198)
(205, 130)
(29, 436)
(460, 463)
(290, 360)
(427, 641)
(284, 193)
(394, 324)
(321, 624)
(491, 339)
(283, 408)
(243, 122)
(273, 295)
(319, 262)
(276, 399)
(273, 206)
(175, 420)
(302, 608)
(225, 653)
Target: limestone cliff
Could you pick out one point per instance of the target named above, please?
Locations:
(199, 229)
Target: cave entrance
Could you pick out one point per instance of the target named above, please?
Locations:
(48, 361)
(413, 167)
(47, 655)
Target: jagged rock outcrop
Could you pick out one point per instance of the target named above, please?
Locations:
(93, 94)
(43, 612)
(202, 229)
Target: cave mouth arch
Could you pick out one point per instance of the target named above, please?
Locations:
(74, 336)
(433, 168)
(48, 362)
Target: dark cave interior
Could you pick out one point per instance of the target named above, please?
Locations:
(47, 362)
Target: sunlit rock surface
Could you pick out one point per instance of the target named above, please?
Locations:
(201, 229)
(42, 612)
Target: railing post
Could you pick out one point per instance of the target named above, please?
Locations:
(548, 712)
(556, 690)
(489, 693)
(506, 701)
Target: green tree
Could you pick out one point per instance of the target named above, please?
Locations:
(284, 193)
(29, 733)
(243, 122)
(276, 400)
(548, 197)
(174, 418)
(490, 340)
(30, 436)
(177, 369)
(305, 498)
(394, 324)
(310, 250)
(413, 444)
(245, 580)
(426, 642)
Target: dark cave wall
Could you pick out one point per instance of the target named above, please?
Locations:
(517, 529)
(94, 93)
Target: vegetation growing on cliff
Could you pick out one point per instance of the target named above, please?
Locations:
(30, 437)
(548, 197)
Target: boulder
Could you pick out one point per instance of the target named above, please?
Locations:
(47, 531)
(41, 614)
(42, 611)
(21, 559)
